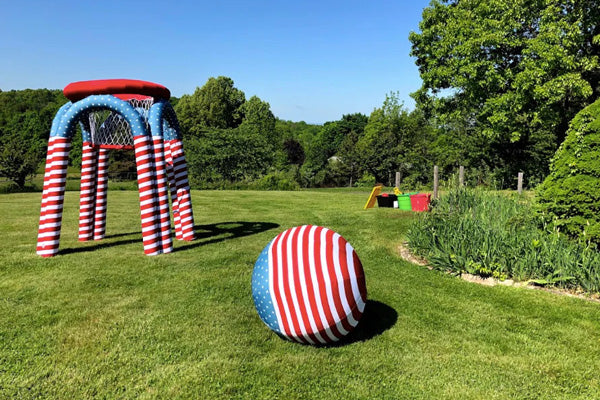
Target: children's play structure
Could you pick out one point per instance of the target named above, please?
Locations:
(308, 285)
(118, 114)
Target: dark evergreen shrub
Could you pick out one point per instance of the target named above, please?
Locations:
(569, 198)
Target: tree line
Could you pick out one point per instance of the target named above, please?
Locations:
(233, 141)
(501, 82)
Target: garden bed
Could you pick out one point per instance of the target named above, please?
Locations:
(501, 236)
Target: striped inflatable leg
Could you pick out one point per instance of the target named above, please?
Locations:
(144, 159)
(87, 193)
(162, 195)
(173, 190)
(55, 178)
(101, 189)
(184, 199)
(47, 174)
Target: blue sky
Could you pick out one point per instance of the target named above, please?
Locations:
(311, 60)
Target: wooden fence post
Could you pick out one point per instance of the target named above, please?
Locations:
(436, 181)
(397, 179)
(461, 176)
(520, 183)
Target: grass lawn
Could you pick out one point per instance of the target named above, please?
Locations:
(103, 320)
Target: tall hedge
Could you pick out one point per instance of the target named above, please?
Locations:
(570, 196)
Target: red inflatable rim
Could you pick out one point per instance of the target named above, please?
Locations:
(130, 87)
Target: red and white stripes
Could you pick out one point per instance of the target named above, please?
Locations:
(93, 193)
(180, 190)
(173, 190)
(164, 219)
(87, 193)
(55, 177)
(316, 283)
(101, 192)
(144, 158)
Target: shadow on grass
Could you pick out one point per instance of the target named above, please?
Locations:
(116, 235)
(98, 245)
(215, 233)
(205, 234)
(377, 318)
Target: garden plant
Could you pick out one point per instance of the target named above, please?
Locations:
(500, 235)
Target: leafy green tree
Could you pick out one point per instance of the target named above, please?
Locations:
(217, 104)
(294, 151)
(258, 118)
(390, 141)
(569, 198)
(379, 146)
(219, 157)
(21, 149)
(301, 131)
(520, 68)
(326, 144)
(25, 121)
(229, 140)
(174, 100)
(349, 159)
(455, 142)
(328, 141)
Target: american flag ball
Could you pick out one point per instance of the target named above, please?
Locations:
(308, 285)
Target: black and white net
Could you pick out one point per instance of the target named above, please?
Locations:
(111, 130)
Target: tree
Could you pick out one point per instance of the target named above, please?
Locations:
(379, 146)
(25, 121)
(293, 151)
(219, 157)
(259, 118)
(350, 157)
(327, 144)
(569, 198)
(301, 131)
(228, 139)
(387, 137)
(217, 104)
(21, 149)
(520, 68)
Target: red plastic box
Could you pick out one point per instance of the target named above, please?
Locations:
(420, 202)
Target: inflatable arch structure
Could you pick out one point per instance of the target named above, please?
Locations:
(142, 113)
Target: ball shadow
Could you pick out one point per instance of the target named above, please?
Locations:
(377, 318)
(219, 232)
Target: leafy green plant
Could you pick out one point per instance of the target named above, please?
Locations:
(367, 180)
(497, 235)
(276, 180)
(569, 198)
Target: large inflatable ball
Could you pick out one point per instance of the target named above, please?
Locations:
(309, 286)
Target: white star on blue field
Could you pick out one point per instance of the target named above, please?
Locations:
(260, 290)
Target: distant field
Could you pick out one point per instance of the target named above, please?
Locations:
(103, 320)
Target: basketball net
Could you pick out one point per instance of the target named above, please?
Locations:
(110, 130)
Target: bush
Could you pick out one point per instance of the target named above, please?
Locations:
(491, 234)
(222, 158)
(11, 187)
(122, 170)
(276, 181)
(569, 198)
(367, 180)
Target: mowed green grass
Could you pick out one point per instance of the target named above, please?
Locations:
(101, 320)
